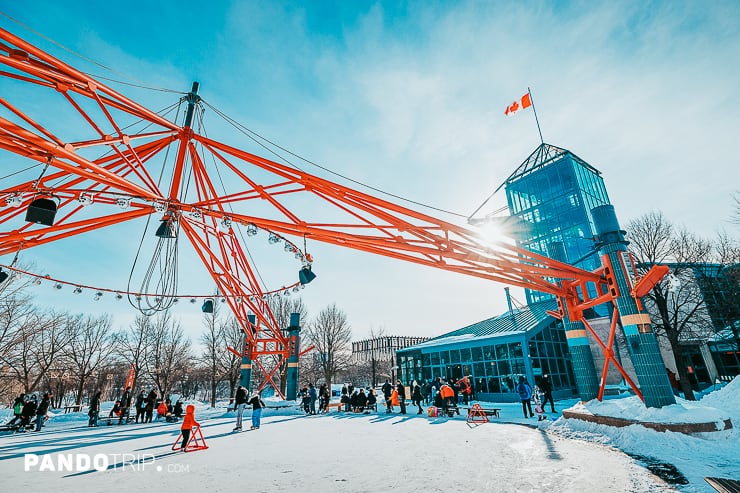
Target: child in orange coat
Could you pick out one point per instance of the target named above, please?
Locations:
(188, 423)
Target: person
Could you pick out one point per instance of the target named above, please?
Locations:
(151, 398)
(525, 395)
(416, 396)
(464, 385)
(114, 411)
(140, 406)
(28, 412)
(372, 400)
(537, 398)
(361, 401)
(312, 398)
(447, 396)
(42, 410)
(324, 398)
(178, 409)
(394, 398)
(94, 411)
(306, 400)
(257, 406)
(387, 388)
(17, 408)
(161, 410)
(125, 405)
(353, 404)
(546, 388)
(241, 403)
(188, 423)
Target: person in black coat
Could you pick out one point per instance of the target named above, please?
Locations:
(28, 412)
(151, 399)
(178, 409)
(140, 406)
(401, 396)
(371, 399)
(387, 388)
(94, 411)
(240, 401)
(125, 405)
(416, 396)
(41, 411)
(546, 388)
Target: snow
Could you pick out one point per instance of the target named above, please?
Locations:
(374, 452)
(695, 456)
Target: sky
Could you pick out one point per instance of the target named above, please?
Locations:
(409, 98)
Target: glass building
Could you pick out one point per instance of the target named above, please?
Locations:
(494, 352)
(552, 193)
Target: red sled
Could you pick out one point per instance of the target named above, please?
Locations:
(196, 442)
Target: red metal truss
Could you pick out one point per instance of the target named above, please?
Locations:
(111, 149)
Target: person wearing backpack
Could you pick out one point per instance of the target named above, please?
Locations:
(257, 405)
(17, 408)
(525, 395)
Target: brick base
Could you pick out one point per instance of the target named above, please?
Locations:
(686, 428)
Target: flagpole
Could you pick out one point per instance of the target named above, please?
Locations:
(542, 141)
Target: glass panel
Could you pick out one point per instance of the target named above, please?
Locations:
(477, 354)
(454, 356)
(426, 360)
(504, 367)
(488, 352)
(502, 352)
(435, 358)
(492, 368)
(444, 357)
(515, 350)
(465, 355)
(494, 385)
(479, 370)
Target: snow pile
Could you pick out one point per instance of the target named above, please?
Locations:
(632, 408)
(727, 399)
(695, 456)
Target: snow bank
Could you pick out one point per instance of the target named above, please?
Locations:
(697, 456)
(632, 408)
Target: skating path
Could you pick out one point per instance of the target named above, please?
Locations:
(335, 453)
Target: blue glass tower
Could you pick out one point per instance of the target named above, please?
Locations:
(552, 194)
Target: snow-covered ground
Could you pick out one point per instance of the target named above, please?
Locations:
(375, 452)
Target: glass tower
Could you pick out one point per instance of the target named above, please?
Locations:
(552, 193)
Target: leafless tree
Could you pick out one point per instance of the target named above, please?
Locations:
(40, 339)
(676, 305)
(331, 334)
(220, 363)
(90, 347)
(168, 353)
(131, 346)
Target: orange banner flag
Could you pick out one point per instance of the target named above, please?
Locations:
(520, 104)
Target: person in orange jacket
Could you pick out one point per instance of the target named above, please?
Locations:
(188, 423)
(394, 399)
(447, 395)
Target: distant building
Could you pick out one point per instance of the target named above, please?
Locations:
(382, 347)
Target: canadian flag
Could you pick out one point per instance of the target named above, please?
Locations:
(524, 102)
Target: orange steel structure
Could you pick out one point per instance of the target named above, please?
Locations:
(99, 155)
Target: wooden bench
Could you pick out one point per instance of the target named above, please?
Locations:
(338, 405)
(490, 411)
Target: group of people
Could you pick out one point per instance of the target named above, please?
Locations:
(241, 401)
(541, 394)
(356, 400)
(144, 406)
(309, 396)
(26, 409)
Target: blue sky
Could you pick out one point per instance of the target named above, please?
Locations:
(409, 98)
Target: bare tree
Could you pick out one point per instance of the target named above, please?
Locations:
(736, 213)
(90, 347)
(331, 334)
(168, 353)
(676, 304)
(218, 361)
(131, 346)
